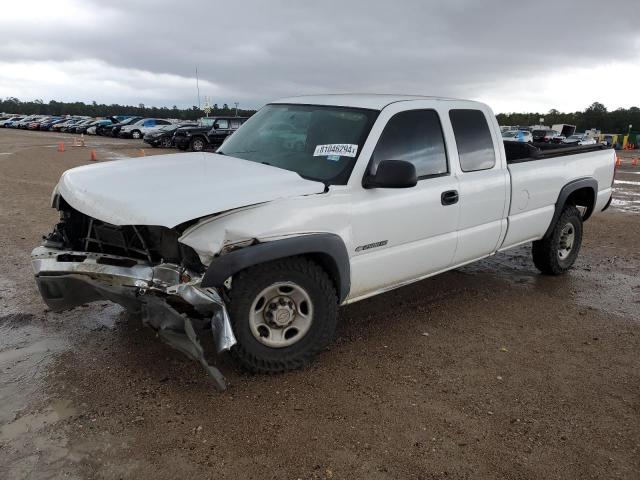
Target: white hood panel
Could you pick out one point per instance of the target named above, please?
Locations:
(167, 190)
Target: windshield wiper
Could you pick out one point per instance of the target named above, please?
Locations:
(246, 151)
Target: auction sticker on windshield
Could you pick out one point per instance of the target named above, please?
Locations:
(342, 149)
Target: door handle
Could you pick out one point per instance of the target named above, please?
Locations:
(449, 197)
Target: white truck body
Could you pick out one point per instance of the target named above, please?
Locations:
(392, 236)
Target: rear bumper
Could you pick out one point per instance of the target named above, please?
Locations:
(67, 279)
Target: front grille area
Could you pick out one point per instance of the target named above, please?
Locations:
(125, 241)
(153, 244)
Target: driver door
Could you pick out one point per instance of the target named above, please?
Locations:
(402, 235)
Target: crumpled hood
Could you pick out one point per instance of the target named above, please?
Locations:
(167, 190)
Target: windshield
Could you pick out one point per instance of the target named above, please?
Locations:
(317, 142)
(510, 134)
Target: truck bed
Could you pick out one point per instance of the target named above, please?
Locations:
(538, 174)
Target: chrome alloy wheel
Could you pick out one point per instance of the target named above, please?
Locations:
(567, 237)
(281, 315)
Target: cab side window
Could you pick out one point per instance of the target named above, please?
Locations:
(223, 123)
(414, 136)
(473, 137)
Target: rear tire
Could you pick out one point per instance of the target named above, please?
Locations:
(557, 253)
(283, 314)
(136, 134)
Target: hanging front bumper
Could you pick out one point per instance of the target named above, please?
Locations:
(168, 298)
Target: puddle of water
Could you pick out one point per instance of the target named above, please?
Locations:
(587, 285)
(34, 422)
(26, 351)
(629, 206)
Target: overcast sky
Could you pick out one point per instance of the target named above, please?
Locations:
(517, 56)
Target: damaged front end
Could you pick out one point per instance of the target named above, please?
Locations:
(142, 268)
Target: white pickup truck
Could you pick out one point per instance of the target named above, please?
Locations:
(315, 202)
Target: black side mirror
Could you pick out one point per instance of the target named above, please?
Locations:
(392, 174)
(216, 126)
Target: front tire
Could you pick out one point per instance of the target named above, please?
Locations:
(283, 314)
(197, 144)
(557, 253)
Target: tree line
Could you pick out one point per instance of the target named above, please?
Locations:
(595, 116)
(94, 109)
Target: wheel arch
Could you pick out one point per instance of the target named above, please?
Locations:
(582, 192)
(326, 249)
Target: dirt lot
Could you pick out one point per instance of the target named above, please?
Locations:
(490, 371)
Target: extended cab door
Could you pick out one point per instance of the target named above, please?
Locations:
(483, 182)
(400, 235)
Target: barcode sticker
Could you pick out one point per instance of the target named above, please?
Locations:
(341, 149)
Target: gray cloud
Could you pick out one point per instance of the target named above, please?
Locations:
(256, 50)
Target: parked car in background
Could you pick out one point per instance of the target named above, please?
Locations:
(114, 130)
(63, 126)
(564, 129)
(163, 136)
(141, 127)
(517, 136)
(580, 139)
(91, 129)
(202, 137)
(100, 125)
(6, 123)
(82, 126)
(546, 136)
(72, 127)
(47, 124)
(24, 123)
(35, 125)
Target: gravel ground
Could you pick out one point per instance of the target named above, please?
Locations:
(490, 371)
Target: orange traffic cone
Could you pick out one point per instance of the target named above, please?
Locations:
(93, 156)
(618, 161)
(142, 153)
(634, 162)
(61, 147)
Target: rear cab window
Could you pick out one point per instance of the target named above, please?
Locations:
(473, 139)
